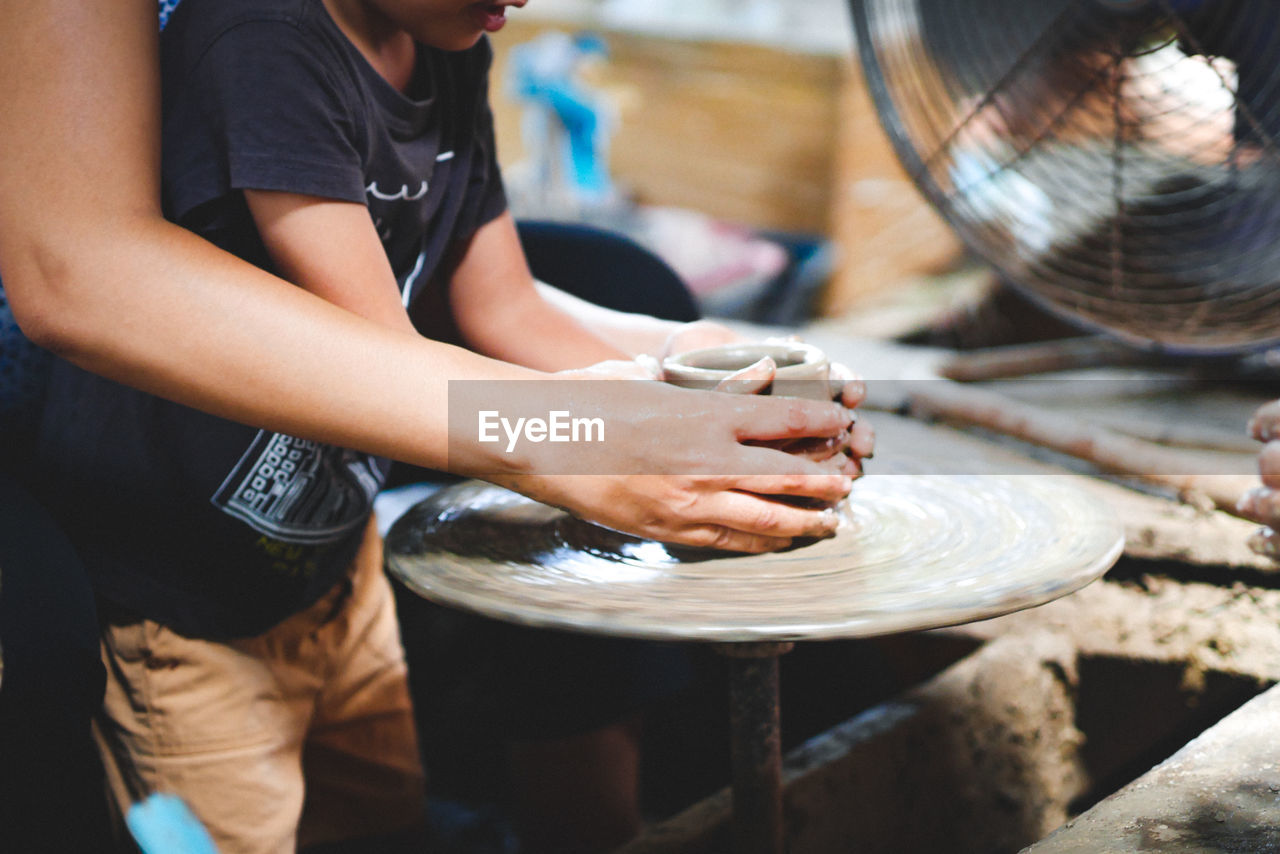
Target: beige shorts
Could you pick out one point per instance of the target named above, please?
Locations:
(235, 728)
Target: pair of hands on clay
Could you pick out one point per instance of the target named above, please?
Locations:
(686, 489)
(855, 443)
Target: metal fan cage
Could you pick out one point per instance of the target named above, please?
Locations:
(1115, 159)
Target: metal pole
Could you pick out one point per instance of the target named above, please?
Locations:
(756, 747)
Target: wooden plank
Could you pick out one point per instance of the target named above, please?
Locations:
(1157, 528)
(1216, 794)
(1175, 404)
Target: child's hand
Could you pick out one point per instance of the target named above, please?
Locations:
(642, 367)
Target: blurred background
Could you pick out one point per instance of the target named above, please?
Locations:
(738, 142)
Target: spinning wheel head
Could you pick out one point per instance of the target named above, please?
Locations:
(912, 552)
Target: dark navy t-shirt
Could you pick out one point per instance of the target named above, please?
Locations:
(212, 527)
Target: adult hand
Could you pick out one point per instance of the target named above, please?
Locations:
(684, 471)
(1263, 504)
(858, 443)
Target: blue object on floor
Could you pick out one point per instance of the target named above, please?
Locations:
(163, 824)
(458, 828)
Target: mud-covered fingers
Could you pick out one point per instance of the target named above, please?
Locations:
(845, 464)
(834, 451)
(1261, 505)
(853, 394)
(1265, 423)
(1265, 541)
(855, 444)
(725, 512)
(827, 488)
(818, 449)
(760, 515)
(729, 539)
(773, 418)
(862, 440)
(853, 390)
(1269, 464)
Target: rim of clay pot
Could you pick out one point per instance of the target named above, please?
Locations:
(687, 365)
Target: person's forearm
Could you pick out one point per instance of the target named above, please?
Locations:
(534, 332)
(157, 308)
(500, 313)
(635, 334)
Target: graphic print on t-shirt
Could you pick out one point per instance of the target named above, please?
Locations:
(300, 491)
(401, 194)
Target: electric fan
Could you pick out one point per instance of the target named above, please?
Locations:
(1116, 160)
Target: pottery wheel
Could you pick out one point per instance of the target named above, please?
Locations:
(912, 552)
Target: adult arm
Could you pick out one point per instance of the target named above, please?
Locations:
(94, 272)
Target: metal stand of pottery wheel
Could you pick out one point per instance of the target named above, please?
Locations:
(913, 552)
(756, 745)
